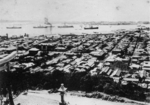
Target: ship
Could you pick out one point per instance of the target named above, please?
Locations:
(14, 27)
(66, 26)
(40, 26)
(91, 27)
(47, 24)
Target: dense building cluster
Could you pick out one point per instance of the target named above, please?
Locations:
(122, 56)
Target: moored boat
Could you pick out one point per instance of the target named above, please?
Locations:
(91, 27)
(65, 26)
(14, 27)
(40, 26)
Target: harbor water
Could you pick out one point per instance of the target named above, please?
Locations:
(27, 27)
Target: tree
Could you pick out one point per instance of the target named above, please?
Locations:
(86, 83)
(119, 65)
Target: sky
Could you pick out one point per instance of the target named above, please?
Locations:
(75, 10)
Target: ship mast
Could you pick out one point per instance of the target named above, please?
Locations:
(48, 23)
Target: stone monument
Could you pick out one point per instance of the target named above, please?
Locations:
(62, 91)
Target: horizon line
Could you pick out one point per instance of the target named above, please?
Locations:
(73, 21)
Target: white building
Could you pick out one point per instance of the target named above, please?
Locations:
(146, 66)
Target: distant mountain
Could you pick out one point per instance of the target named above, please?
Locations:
(90, 22)
(15, 20)
(111, 22)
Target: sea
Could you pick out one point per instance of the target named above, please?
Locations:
(27, 27)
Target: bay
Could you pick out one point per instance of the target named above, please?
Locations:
(27, 27)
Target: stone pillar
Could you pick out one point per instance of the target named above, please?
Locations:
(62, 97)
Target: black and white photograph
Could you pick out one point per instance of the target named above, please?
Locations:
(74, 52)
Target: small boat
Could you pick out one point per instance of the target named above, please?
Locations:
(14, 27)
(91, 27)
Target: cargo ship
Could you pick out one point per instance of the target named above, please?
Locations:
(66, 26)
(40, 27)
(14, 27)
(91, 27)
(47, 25)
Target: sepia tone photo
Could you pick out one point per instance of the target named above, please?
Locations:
(74, 52)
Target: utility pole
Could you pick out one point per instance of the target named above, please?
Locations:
(9, 87)
(6, 67)
(1, 98)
